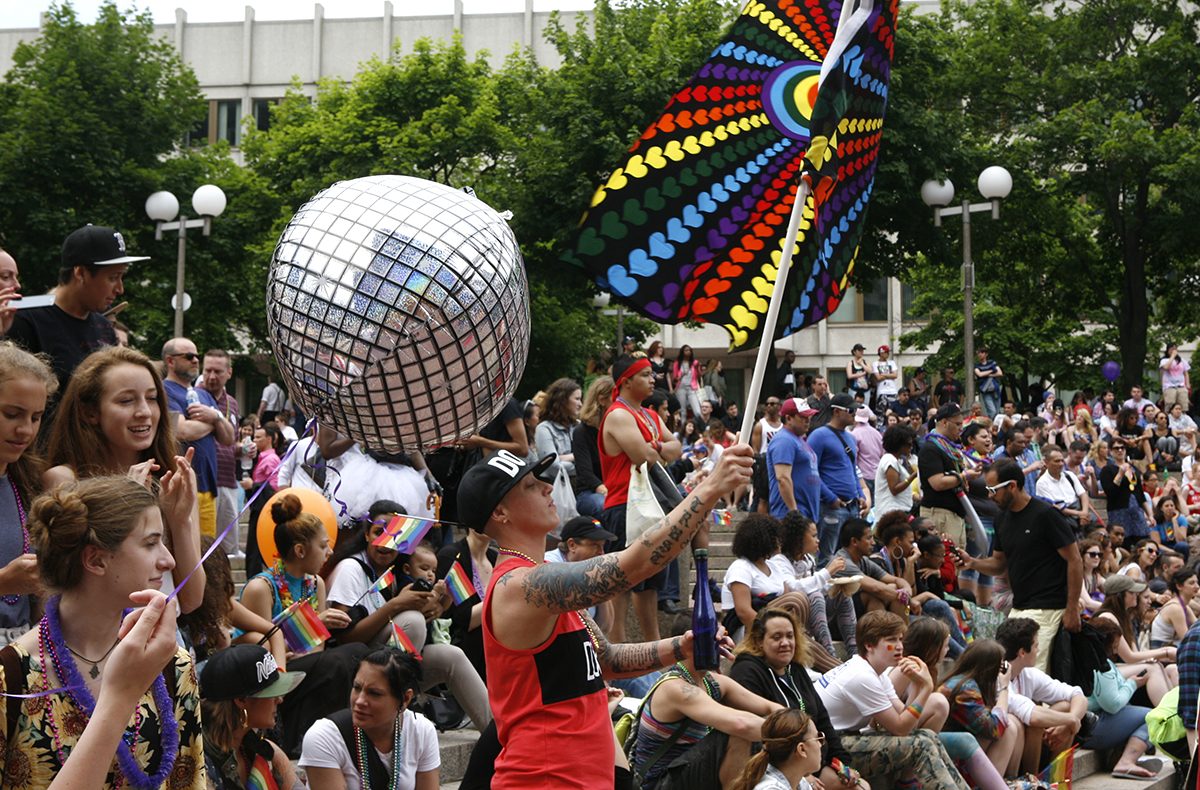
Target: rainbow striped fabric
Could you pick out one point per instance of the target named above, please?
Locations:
(260, 776)
(400, 640)
(385, 580)
(1058, 773)
(403, 533)
(459, 584)
(722, 518)
(301, 627)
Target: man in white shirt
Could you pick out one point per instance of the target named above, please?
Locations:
(1061, 488)
(1056, 712)
(1136, 401)
(886, 374)
(877, 726)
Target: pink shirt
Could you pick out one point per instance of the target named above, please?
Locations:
(870, 448)
(267, 468)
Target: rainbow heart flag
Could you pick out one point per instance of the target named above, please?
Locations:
(1058, 773)
(403, 533)
(460, 586)
(400, 640)
(302, 629)
(260, 776)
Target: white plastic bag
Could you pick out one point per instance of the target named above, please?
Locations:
(564, 498)
(642, 511)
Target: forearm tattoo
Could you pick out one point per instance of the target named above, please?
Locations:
(679, 532)
(621, 659)
(563, 586)
(677, 648)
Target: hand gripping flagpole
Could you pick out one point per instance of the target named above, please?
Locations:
(848, 24)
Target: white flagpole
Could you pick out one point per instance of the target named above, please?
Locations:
(848, 24)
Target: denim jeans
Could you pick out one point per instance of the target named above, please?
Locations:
(991, 403)
(829, 530)
(589, 503)
(1114, 729)
(940, 610)
(670, 589)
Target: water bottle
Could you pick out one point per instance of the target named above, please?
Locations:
(193, 397)
(704, 617)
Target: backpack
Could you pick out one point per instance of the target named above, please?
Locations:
(1167, 732)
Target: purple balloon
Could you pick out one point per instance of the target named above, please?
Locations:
(1110, 370)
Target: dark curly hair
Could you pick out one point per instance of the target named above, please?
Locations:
(891, 525)
(896, 437)
(792, 529)
(757, 537)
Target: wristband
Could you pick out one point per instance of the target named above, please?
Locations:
(915, 709)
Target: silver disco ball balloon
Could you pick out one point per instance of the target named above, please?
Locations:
(398, 311)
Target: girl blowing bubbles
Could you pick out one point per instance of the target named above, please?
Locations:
(100, 544)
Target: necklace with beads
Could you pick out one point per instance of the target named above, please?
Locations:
(361, 741)
(280, 576)
(519, 554)
(13, 600)
(709, 684)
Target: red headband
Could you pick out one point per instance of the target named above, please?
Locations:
(637, 367)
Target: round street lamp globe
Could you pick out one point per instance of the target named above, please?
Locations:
(995, 183)
(162, 206)
(937, 193)
(208, 200)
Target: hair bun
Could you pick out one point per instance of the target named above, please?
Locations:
(63, 516)
(286, 508)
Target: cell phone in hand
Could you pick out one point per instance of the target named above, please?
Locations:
(422, 585)
(1143, 673)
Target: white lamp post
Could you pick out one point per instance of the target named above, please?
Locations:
(162, 207)
(994, 184)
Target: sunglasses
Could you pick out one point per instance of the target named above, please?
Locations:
(998, 486)
(1093, 554)
(819, 738)
(189, 357)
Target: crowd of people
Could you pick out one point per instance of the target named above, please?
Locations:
(909, 579)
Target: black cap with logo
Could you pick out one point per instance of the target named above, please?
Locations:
(96, 245)
(487, 482)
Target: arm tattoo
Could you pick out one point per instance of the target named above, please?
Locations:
(564, 586)
(621, 659)
(680, 531)
(677, 648)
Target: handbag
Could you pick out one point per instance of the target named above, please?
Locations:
(564, 497)
(642, 510)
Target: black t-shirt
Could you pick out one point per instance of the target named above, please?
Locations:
(948, 392)
(497, 429)
(1120, 495)
(931, 461)
(1030, 539)
(65, 338)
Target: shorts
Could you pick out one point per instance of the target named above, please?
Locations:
(613, 519)
(947, 522)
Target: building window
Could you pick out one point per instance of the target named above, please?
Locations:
(867, 302)
(228, 114)
(847, 312)
(907, 297)
(261, 111)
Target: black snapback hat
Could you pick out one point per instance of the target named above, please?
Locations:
(487, 482)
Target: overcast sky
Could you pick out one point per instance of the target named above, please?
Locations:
(17, 13)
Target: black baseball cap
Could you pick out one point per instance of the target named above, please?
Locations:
(585, 528)
(486, 483)
(844, 402)
(245, 671)
(96, 245)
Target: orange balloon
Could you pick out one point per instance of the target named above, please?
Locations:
(311, 502)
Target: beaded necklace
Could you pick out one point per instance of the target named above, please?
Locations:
(709, 684)
(13, 600)
(397, 754)
(50, 640)
(280, 577)
(520, 554)
(639, 414)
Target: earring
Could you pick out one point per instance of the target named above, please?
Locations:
(244, 723)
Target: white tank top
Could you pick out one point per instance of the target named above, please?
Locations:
(768, 431)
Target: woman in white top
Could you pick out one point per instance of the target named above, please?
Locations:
(560, 413)
(797, 564)
(1176, 617)
(896, 472)
(377, 736)
(751, 581)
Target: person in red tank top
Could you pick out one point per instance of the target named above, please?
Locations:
(632, 435)
(547, 661)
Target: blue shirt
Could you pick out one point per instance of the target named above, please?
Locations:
(1187, 658)
(838, 471)
(789, 449)
(1026, 460)
(205, 459)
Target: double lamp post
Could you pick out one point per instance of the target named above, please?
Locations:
(162, 207)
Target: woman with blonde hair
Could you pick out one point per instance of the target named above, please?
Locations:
(100, 547)
(1082, 429)
(585, 446)
(792, 747)
(770, 662)
(26, 383)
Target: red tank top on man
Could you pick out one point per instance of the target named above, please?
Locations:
(549, 703)
(615, 469)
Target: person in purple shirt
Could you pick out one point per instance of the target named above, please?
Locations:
(792, 475)
(870, 447)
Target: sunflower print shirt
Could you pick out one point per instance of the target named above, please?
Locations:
(30, 756)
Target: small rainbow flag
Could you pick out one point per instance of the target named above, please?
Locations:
(461, 588)
(260, 776)
(1058, 773)
(403, 533)
(400, 639)
(722, 518)
(302, 629)
(385, 580)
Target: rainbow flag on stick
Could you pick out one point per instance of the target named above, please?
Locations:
(384, 581)
(403, 533)
(302, 629)
(1058, 773)
(722, 518)
(461, 588)
(400, 640)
